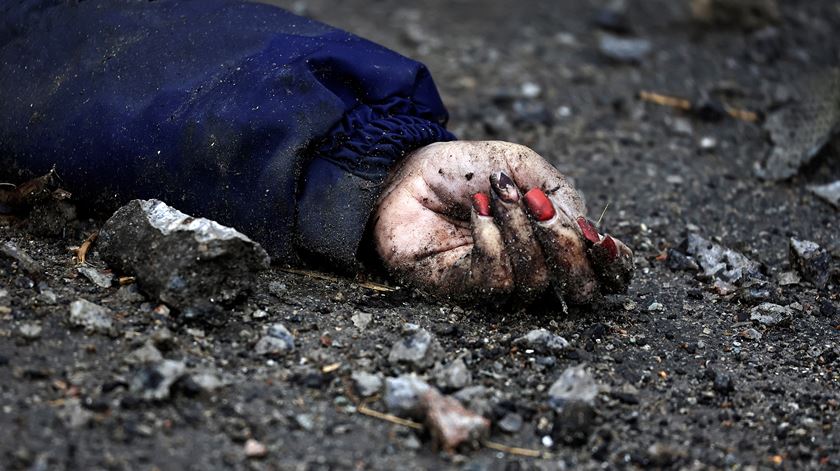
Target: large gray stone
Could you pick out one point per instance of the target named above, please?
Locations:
(189, 263)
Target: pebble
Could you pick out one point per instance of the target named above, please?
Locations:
(366, 384)
(30, 331)
(510, 423)
(476, 398)
(402, 395)
(623, 49)
(789, 278)
(829, 192)
(450, 424)
(656, 306)
(206, 382)
(92, 317)
(153, 382)
(145, 354)
(255, 449)
(361, 320)
(24, 261)
(305, 422)
(575, 384)
(719, 262)
(811, 261)
(770, 314)
(277, 341)
(208, 264)
(417, 348)
(453, 376)
(97, 277)
(542, 341)
(750, 334)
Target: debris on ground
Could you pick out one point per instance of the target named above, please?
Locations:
(403, 393)
(153, 382)
(453, 376)
(574, 384)
(799, 130)
(724, 266)
(417, 348)
(254, 449)
(542, 341)
(98, 277)
(366, 384)
(830, 192)
(623, 49)
(276, 342)
(24, 261)
(811, 261)
(450, 424)
(92, 317)
(770, 314)
(192, 264)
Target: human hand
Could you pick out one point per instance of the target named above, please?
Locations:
(482, 221)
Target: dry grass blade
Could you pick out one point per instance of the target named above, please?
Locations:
(81, 254)
(515, 450)
(389, 418)
(323, 276)
(686, 105)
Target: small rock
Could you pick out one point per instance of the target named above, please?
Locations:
(145, 354)
(476, 398)
(417, 347)
(73, 414)
(811, 261)
(623, 49)
(361, 320)
(206, 264)
(153, 382)
(255, 449)
(719, 262)
(25, 262)
(92, 317)
(789, 278)
(510, 423)
(573, 423)
(708, 143)
(129, 294)
(656, 306)
(366, 384)
(206, 382)
(723, 383)
(575, 384)
(750, 334)
(453, 376)
(542, 341)
(277, 342)
(305, 422)
(402, 395)
(829, 192)
(163, 339)
(450, 424)
(97, 277)
(30, 331)
(770, 314)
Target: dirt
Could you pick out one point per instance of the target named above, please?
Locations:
(682, 385)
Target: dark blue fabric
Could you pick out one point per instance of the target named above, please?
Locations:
(237, 111)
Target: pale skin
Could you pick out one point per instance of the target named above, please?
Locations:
(526, 235)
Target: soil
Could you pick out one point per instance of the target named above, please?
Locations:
(681, 387)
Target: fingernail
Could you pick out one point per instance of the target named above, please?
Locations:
(590, 232)
(609, 244)
(539, 205)
(504, 188)
(481, 203)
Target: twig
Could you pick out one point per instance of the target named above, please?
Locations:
(389, 418)
(323, 276)
(81, 254)
(518, 451)
(687, 105)
(602, 214)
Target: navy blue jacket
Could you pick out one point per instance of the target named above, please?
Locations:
(278, 125)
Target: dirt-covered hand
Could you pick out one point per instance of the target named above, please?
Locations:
(488, 220)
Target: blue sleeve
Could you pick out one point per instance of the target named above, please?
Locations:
(278, 125)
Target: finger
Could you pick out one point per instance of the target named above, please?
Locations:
(612, 260)
(564, 249)
(526, 257)
(490, 272)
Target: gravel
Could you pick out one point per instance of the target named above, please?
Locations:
(92, 317)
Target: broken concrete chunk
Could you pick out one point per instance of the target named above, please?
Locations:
(575, 384)
(92, 317)
(770, 314)
(402, 395)
(367, 384)
(717, 261)
(417, 348)
(542, 341)
(453, 376)
(276, 342)
(184, 261)
(829, 192)
(97, 277)
(450, 423)
(811, 261)
(154, 381)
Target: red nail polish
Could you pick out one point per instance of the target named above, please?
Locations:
(590, 232)
(481, 203)
(609, 244)
(539, 205)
